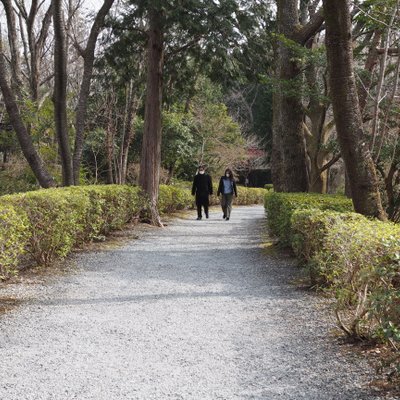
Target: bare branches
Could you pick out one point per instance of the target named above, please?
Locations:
(45, 27)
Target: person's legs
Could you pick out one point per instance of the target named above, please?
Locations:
(228, 200)
(198, 204)
(206, 208)
(223, 204)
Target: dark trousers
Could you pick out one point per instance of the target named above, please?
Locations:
(202, 201)
(226, 204)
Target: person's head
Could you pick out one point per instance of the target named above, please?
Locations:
(228, 173)
(202, 169)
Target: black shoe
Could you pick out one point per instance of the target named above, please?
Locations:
(206, 215)
(198, 219)
(227, 218)
(224, 216)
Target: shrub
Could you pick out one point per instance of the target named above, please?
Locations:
(54, 217)
(13, 238)
(309, 230)
(178, 197)
(172, 198)
(111, 207)
(247, 196)
(361, 261)
(355, 258)
(59, 219)
(47, 224)
(280, 208)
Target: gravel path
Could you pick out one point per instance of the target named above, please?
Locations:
(194, 311)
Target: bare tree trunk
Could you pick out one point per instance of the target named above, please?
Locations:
(60, 93)
(276, 158)
(16, 83)
(318, 134)
(35, 162)
(110, 147)
(171, 171)
(81, 109)
(370, 64)
(382, 70)
(385, 129)
(353, 147)
(30, 18)
(151, 149)
(35, 44)
(129, 132)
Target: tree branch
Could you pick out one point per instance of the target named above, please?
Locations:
(310, 29)
(391, 51)
(45, 27)
(330, 163)
(186, 46)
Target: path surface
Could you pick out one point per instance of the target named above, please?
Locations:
(194, 311)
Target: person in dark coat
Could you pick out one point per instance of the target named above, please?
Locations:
(227, 188)
(202, 188)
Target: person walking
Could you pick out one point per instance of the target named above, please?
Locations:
(227, 188)
(202, 188)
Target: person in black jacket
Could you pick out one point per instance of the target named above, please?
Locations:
(202, 188)
(227, 188)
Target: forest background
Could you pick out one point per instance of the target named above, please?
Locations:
(143, 91)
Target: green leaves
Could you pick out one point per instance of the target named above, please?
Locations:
(13, 239)
(355, 259)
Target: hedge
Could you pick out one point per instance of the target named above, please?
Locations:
(246, 195)
(281, 206)
(47, 224)
(59, 219)
(13, 239)
(352, 257)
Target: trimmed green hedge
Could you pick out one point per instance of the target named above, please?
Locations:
(281, 206)
(352, 257)
(13, 239)
(59, 219)
(172, 198)
(48, 224)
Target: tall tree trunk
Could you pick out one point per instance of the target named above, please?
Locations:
(110, 134)
(276, 157)
(128, 133)
(34, 62)
(151, 149)
(81, 108)
(318, 132)
(385, 129)
(33, 43)
(381, 78)
(290, 123)
(353, 146)
(60, 93)
(16, 83)
(290, 173)
(35, 162)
